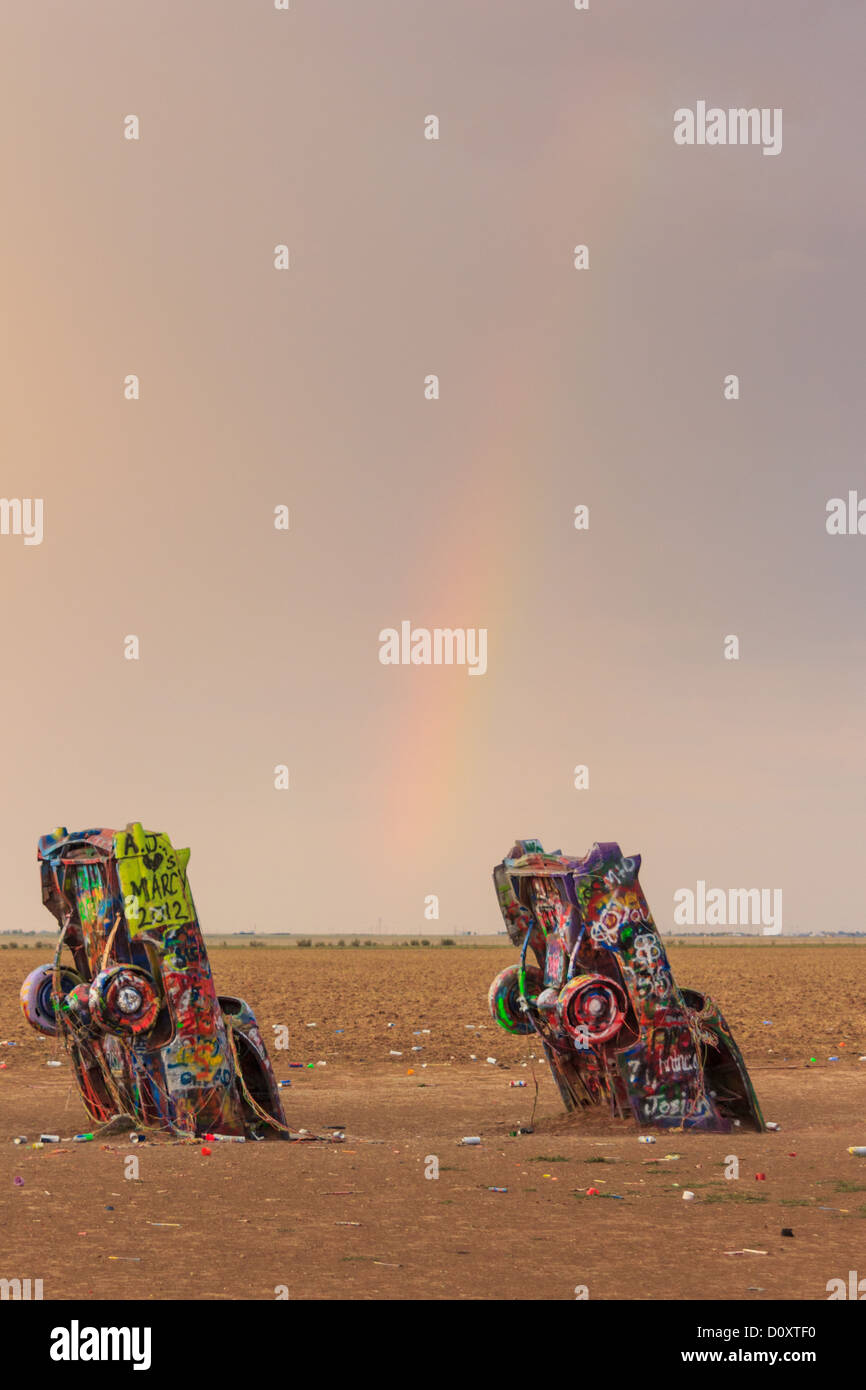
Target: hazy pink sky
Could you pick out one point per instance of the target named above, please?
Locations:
(558, 387)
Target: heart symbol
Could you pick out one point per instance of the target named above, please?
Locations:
(153, 861)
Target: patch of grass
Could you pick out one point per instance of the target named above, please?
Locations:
(795, 1201)
(844, 1186)
(733, 1197)
(599, 1160)
(556, 1158)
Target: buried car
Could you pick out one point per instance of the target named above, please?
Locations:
(148, 1035)
(611, 1021)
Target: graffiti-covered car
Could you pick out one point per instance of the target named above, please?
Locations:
(135, 1002)
(601, 997)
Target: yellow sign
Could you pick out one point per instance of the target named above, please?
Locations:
(152, 875)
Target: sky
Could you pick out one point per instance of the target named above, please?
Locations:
(559, 387)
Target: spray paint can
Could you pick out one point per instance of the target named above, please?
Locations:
(471, 1139)
(859, 1150)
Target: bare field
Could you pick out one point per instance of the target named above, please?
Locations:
(360, 1220)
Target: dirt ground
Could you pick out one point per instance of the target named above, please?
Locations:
(362, 1219)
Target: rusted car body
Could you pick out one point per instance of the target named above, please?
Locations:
(613, 1025)
(148, 1035)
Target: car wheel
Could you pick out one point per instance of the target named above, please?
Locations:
(37, 996)
(504, 998)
